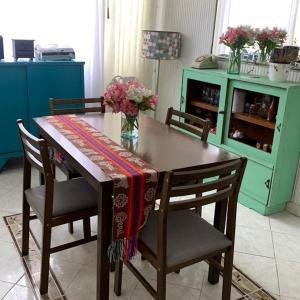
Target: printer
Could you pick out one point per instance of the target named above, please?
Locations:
(54, 53)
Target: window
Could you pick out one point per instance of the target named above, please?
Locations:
(258, 14)
(66, 23)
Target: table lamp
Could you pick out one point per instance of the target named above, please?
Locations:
(160, 45)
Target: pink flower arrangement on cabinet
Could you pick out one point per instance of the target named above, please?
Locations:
(237, 38)
(129, 98)
(267, 39)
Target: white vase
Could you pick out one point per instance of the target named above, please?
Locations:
(278, 72)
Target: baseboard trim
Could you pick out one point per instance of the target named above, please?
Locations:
(293, 208)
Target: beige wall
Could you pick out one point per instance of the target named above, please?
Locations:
(195, 20)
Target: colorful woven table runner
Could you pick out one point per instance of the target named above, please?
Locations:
(134, 181)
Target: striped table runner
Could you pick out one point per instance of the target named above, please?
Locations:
(134, 181)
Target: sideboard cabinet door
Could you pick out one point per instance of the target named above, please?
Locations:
(53, 80)
(204, 96)
(13, 103)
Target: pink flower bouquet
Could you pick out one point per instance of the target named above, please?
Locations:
(129, 98)
(268, 39)
(237, 38)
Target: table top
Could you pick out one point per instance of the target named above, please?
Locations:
(163, 147)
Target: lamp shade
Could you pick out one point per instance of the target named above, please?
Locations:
(161, 44)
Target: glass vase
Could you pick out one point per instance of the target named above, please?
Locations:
(129, 126)
(234, 63)
(264, 56)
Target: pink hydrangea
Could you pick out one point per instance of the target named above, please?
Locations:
(267, 39)
(129, 98)
(135, 83)
(237, 38)
(128, 108)
(153, 101)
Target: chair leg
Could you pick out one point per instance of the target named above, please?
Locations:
(25, 228)
(227, 276)
(87, 228)
(112, 267)
(71, 227)
(54, 170)
(42, 179)
(213, 272)
(118, 278)
(161, 284)
(45, 259)
(198, 210)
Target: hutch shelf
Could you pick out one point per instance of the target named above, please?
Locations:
(252, 117)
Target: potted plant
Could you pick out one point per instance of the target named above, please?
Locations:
(280, 60)
(267, 39)
(237, 39)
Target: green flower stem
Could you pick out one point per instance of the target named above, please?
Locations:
(130, 124)
(234, 64)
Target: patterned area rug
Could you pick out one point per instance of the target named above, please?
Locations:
(247, 287)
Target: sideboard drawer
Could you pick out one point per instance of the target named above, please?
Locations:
(257, 181)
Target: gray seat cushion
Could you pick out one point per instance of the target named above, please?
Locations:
(69, 196)
(188, 237)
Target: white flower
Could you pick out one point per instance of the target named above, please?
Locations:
(135, 94)
(147, 93)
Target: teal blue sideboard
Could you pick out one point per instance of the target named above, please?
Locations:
(245, 122)
(25, 88)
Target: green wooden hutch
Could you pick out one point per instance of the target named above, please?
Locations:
(25, 89)
(253, 117)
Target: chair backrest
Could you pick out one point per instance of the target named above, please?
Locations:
(191, 123)
(218, 184)
(35, 153)
(60, 106)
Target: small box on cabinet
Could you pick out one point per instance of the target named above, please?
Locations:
(23, 49)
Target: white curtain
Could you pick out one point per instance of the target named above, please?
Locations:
(123, 39)
(78, 24)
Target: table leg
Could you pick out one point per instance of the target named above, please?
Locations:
(104, 238)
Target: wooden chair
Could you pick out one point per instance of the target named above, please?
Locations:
(175, 237)
(73, 106)
(58, 106)
(191, 123)
(54, 203)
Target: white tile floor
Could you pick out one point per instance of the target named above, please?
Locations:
(267, 249)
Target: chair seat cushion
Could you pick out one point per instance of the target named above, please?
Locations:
(69, 196)
(188, 237)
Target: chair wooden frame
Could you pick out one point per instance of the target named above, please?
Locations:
(36, 155)
(226, 188)
(53, 103)
(192, 123)
(55, 110)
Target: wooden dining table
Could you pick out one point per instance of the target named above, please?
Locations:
(163, 147)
